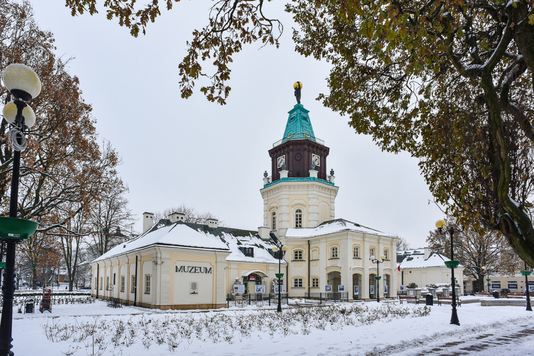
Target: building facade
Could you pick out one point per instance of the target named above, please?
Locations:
(177, 265)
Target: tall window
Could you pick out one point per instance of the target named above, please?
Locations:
(372, 251)
(133, 284)
(123, 283)
(107, 282)
(297, 255)
(315, 282)
(147, 284)
(101, 282)
(298, 218)
(356, 252)
(386, 254)
(297, 283)
(334, 252)
(274, 220)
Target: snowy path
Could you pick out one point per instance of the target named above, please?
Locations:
(514, 337)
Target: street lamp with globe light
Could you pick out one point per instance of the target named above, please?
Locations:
(24, 85)
(378, 261)
(451, 264)
(280, 252)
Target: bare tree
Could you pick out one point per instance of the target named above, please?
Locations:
(191, 215)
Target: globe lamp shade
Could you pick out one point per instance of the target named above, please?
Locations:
(10, 114)
(21, 81)
(440, 224)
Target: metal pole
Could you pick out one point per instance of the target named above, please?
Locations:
(378, 281)
(8, 287)
(529, 307)
(454, 316)
(279, 281)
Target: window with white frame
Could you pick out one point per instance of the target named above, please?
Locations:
(297, 283)
(101, 283)
(372, 252)
(274, 220)
(356, 252)
(147, 284)
(298, 255)
(495, 284)
(107, 282)
(386, 254)
(123, 283)
(512, 284)
(298, 218)
(315, 282)
(334, 252)
(315, 254)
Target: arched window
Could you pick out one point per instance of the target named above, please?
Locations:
(274, 220)
(334, 252)
(386, 254)
(372, 251)
(298, 218)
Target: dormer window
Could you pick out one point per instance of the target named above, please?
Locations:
(247, 251)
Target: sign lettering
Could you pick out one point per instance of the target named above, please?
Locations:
(194, 269)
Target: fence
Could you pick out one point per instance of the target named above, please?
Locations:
(257, 299)
(329, 296)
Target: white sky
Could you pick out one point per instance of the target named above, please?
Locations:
(212, 158)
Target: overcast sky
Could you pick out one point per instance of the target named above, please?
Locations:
(212, 157)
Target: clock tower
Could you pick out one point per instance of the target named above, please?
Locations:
(300, 191)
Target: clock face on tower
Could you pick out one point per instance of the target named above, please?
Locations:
(316, 160)
(281, 161)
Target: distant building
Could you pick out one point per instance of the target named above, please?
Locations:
(424, 267)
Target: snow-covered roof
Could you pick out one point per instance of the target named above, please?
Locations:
(418, 261)
(330, 227)
(197, 236)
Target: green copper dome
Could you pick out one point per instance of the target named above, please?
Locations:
(298, 126)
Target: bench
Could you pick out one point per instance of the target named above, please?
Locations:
(407, 298)
(449, 300)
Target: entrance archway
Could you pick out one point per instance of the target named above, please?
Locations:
(357, 282)
(333, 279)
(250, 282)
(387, 286)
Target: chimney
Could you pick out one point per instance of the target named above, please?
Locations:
(214, 223)
(175, 217)
(264, 232)
(148, 221)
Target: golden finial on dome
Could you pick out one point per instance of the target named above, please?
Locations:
(297, 86)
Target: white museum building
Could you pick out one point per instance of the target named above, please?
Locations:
(179, 265)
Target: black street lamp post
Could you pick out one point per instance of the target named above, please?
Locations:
(280, 251)
(377, 261)
(451, 264)
(526, 273)
(23, 84)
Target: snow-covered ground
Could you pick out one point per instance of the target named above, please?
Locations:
(370, 329)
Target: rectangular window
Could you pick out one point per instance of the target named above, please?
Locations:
(107, 283)
(114, 278)
(315, 282)
(495, 284)
(512, 284)
(356, 252)
(248, 251)
(123, 283)
(297, 283)
(147, 284)
(101, 283)
(133, 284)
(297, 254)
(334, 252)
